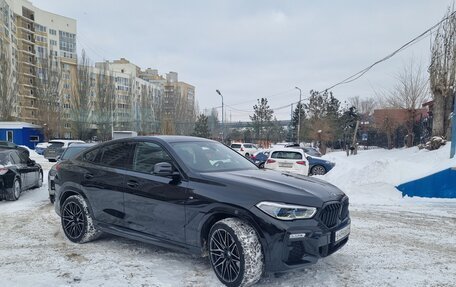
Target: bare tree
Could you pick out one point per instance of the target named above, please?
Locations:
(363, 106)
(48, 93)
(148, 121)
(105, 101)
(81, 102)
(409, 93)
(442, 72)
(8, 84)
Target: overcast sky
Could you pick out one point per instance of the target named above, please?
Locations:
(253, 49)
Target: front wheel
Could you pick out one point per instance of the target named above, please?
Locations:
(77, 222)
(235, 252)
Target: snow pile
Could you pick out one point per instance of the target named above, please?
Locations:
(371, 176)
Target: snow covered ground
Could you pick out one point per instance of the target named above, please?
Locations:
(395, 241)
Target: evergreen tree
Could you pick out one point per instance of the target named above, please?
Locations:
(201, 127)
(261, 119)
(295, 121)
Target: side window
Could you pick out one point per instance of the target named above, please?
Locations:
(92, 156)
(116, 155)
(148, 154)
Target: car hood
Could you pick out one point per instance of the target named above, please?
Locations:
(254, 186)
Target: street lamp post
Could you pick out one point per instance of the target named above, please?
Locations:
(223, 120)
(299, 115)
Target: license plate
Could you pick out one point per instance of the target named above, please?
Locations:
(342, 233)
(285, 164)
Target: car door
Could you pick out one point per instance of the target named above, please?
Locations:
(103, 180)
(20, 167)
(26, 171)
(154, 204)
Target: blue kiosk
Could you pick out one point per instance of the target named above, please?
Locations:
(21, 133)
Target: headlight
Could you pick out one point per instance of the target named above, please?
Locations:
(286, 211)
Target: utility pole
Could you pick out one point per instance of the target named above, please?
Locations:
(223, 118)
(453, 127)
(299, 116)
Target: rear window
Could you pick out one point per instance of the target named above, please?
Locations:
(248, 146)
(56, 145)
(235, 146)
(71, 152)
(286, 155)
(5, 159)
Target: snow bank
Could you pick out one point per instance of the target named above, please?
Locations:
(371, 176)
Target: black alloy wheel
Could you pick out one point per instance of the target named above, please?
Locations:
(225, 256)
(73, 220)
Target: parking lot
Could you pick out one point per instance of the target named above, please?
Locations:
(394, 242)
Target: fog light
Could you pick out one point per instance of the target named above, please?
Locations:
(297, 235)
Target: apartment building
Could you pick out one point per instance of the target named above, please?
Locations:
(136, 98)
(178, 106)
(33, 34)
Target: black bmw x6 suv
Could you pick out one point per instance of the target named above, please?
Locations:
(200, 196)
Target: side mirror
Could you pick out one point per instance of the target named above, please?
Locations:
(163, 169)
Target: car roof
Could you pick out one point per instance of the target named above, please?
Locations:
(66, 141)
(287, 149)
(169, 139)
(83, 145)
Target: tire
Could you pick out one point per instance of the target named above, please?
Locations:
(261, 165)
(52, 198)
(77, 222)
(52, 160)
(40, 180)
(318, 170)
(15, 191)
(235, 252)
(247, 154)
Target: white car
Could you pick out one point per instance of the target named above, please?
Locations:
(246, 149)
(56, 148)
(288, 159)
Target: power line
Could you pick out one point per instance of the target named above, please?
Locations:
(415, 40)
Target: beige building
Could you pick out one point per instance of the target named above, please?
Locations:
(33, 34)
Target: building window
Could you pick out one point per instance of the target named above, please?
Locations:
(67, 125)
(52, 32)
(34, 138)
(53, 42)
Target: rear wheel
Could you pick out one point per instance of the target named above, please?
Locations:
(318, 170)
(14, 192)
(52, 198)
(77, 222)
(235, 252)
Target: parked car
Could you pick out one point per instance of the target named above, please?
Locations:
(56, 148)
(199, 196)
(68, 153)
(259, 158)
(288, 159)
(17, 173)
(9, 145)
(41, 147)
(246, 149)
(317, 165)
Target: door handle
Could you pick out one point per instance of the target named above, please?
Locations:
(88, 176)
(132, 183)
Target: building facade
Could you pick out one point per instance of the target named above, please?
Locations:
(35, 36)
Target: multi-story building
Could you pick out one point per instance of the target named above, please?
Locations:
(33, 35)
(178, 106)
(136, 98)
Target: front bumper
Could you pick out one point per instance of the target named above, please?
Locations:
(284, 253)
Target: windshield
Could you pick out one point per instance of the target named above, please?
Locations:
(71, 152)
(211, 157)
(56, 145)
(5, 159)
(312, 152)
